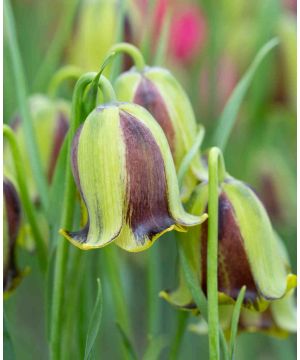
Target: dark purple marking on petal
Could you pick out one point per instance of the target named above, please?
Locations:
(61, 128)
(233, 265)
(13, 211)
(148, 96)
(148, 209)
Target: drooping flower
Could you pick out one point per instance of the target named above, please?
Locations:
(249, 252)
(11, 226)
(124, 170)
(158, 91)
(50, 124)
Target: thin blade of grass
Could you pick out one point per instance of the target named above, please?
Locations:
(229, 114)
(95, 322)
(155, 347)
(22, 96)
(235, 321)
(127, 343)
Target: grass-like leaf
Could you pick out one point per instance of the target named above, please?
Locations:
(131, 354)
(235, 321)
(21, 92)
(229, 114)
(94, 324)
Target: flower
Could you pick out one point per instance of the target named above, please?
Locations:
(50, 124)
(249, 252)
(124, 170)
(11, 226)
(158, 91)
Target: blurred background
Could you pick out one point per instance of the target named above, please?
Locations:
(208, 45)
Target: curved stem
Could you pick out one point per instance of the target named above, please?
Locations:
(107, 89)
(216, 174)
(25, 198)
(67, 217)
(65, 73)
(132, 51)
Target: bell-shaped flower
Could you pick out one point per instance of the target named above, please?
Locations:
(50, 121)
(249, 252)
(159, 92)
(123, 168)
(279, 319)
(11, 227)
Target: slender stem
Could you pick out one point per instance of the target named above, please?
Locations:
(153, 287)
(216, 173)
(182, 317)
(65, 73)
(107, 89)
(53, 55)
(132, 51)
(21, 92)
(24, 194)
(67, 217)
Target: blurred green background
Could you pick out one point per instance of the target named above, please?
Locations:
(208, 45)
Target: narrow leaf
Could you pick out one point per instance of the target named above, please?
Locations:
(229, 114)
(94, 324)
(190, 155)
(235, 320)
(127, 343)
(155, 347)
(162, 46)
(21, 93)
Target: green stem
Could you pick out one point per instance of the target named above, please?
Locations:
(153, 287)
(107, 90)
(112, 266)
(182, 317)
(67, 217)
(132, 51)
(25, 198)
(21, 92)
(216, 174)
(65, 73)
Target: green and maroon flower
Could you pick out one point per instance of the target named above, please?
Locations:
(123, 168)
(158, 91)
(249, 252)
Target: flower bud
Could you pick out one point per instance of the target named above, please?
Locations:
(124, 170)
(11, 226)
(96, 30)
(248, 250)
(50, 124)
(158, 91)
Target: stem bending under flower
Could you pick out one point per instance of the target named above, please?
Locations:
(67, 216)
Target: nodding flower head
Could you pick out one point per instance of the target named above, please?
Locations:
(125, 173)
(249, 252)
(50, 124)
(158, 91)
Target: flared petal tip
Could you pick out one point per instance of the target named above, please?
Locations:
(178, 300)
(190, 220)
(77, 240)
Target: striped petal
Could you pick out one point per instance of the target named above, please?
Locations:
(124, 169)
